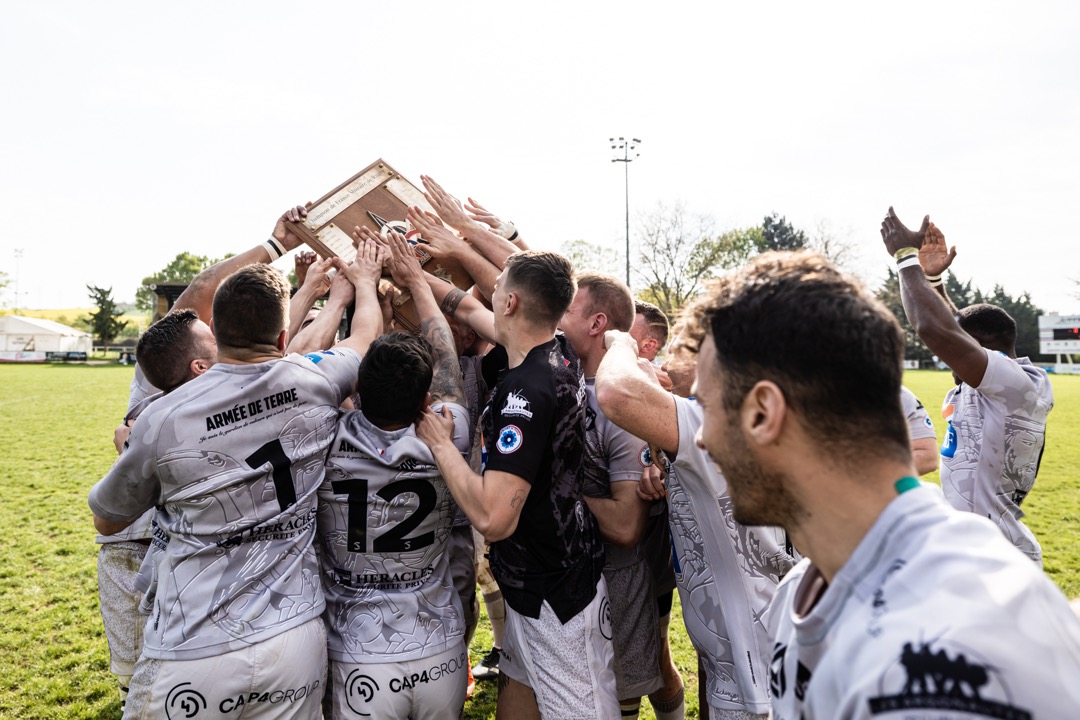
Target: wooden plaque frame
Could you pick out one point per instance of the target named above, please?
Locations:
(381, 190)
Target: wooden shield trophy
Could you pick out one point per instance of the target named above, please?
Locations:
(377, 196)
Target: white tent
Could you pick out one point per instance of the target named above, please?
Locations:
(24, 338)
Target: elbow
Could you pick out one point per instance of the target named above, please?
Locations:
(494, 529)
(613, 398)
(108, 527)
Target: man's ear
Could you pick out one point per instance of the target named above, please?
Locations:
(198, 366)
(511, 304)
(764, 411)
(599, 324)
(427, 402)
(647, 346)
(283, 340)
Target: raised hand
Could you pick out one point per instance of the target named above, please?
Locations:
(482, 215)
(315, 273)
(403, 264)
(446, 205)
(367, 268)
(288, 239)
(434, 429)
(896, 235)
(934, 256)
(439, 241)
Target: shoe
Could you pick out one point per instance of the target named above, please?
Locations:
(488, 668)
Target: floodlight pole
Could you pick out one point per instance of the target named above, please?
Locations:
(18, 257)
(626, 146)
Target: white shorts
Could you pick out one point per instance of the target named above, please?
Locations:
(570, 667)
(432, 688)
(117, 567)
(283, 677)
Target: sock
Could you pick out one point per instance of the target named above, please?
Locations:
(673, 709)
(496, 612)
(630, 709)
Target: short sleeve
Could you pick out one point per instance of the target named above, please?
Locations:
(523, 418)
(919, 424)
(132, 486)
(1007, 381)
(340, 367)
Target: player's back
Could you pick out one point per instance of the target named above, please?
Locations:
(384, 519)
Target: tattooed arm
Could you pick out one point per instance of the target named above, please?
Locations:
(446, 381)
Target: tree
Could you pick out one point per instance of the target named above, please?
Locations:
(834, 247)
(105, 322)
(183, 268)
(889, 295)
(778, 234)
(677, 252)
(584, 255)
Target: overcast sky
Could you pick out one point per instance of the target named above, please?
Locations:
(134, 131)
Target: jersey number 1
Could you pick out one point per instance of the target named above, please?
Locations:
(273, 453)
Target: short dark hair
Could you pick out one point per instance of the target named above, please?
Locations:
(655, 320)
(609, 295)
(991, 326)
(251, 308)
(547, 279)
(166, 349)
(394, 378)
(833, 349)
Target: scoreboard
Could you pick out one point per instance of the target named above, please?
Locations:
(1059, 334)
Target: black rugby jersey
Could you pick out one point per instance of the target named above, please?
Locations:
(534, 427)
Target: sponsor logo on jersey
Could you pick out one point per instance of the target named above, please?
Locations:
(360, 690)
(604, 618)
(184, 702)
(516, 406)
(948, 446)
(432, 674)
(935, 680)
(510, 439)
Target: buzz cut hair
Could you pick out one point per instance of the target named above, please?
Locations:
(990, 325)
(547, 279)
(609, 295)
(832, 348)
(655, 320)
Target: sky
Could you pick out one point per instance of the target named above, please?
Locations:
(132, 131)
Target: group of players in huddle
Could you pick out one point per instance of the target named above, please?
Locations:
(302, 519)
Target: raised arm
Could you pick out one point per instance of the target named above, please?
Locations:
(929, 316)
(447, 384)
(463, 307)
(502, 228)
(631, 398)
(314, 285)
(493, 247)
(322, 331)
(492, 501)
(364, 273)
(935, 258)
(441, 242)
(199, 294)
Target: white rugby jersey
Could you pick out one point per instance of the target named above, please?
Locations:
(141, 394)
(726, 573)
(935, 616)
(234, 459)
(384, 520)
(919, 425)
(611, 455)
(994, 442)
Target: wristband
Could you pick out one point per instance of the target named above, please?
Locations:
(935, 281)
(513, 237)
(273, 247)
(909, 261)
(904, 252)
(507, 230)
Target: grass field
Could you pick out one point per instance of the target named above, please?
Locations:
(57, 422)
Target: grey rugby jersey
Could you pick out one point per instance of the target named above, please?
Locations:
(234, 459)
(994, 442)
(384, 520)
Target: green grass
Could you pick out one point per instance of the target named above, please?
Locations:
(57, 423)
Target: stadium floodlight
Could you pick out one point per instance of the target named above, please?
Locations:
(626, 148)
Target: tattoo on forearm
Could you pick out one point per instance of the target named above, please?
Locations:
(446, 380)
(518, 500)
(451, 301)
